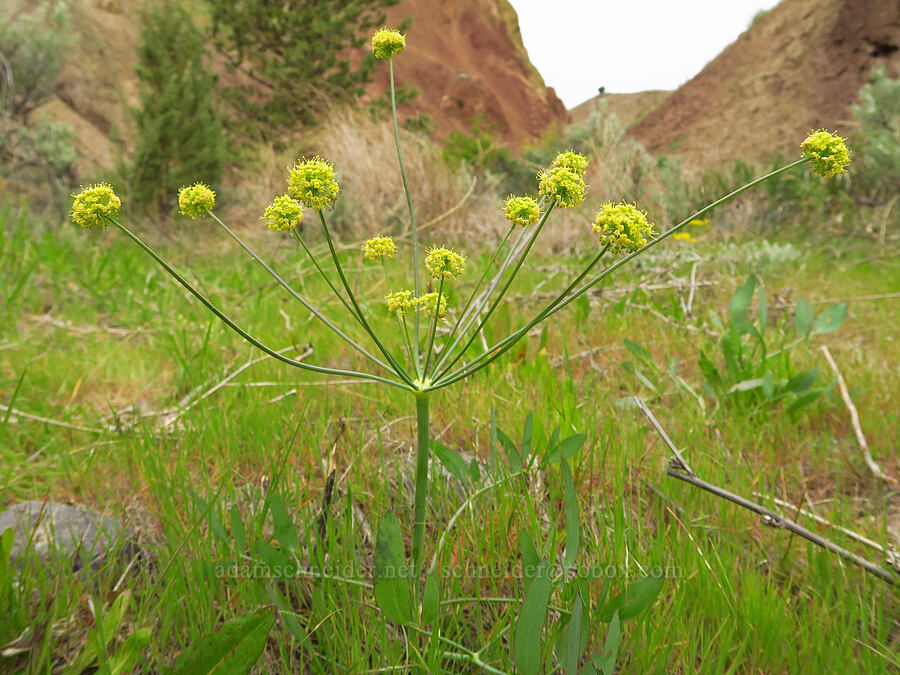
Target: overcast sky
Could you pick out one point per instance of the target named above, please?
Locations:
(627, 45)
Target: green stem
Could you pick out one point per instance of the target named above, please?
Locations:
(422, 450)
(365, 324)
(412, 213)
(456, 334)
(328, 281)
(240, 331)
(298, 297)
(437, 314)
(506, 286)
(499, 349)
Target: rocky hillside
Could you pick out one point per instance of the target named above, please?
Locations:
(629, 108)
(799, 67)
(466, 58)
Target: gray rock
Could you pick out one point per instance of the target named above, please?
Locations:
(48, 530)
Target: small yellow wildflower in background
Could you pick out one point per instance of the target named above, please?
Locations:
(828, 152)
(429, 303)
(684, 236)
(522, 211)
(283, 214)
(444, 263)
(623, 227)
(699, 222)
(94, 205)
(379, 247)
(400, 301)
(564, 186)
(312, 181)
(572, 161)
(386, 43)
(195, 200)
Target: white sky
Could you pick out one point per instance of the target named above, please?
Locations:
(627, 45)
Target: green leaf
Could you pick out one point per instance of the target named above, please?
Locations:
(6, 546)
(574, 644)
(567, 448)
(831, 319)
(768, 385)
(710, 373)
(530, 557)
(390, 571)
(606, 662)
(512, 453)
(231, 650)
(451, 460)
(283, 525)
(763, 312)
(805, 399)
(747, 385)
(474, 471)
(640, 352)
(129, 653)
(527, 433)
(530, 625)
(740, 301)
(636, 597)
(573, 527)
(804, 317)
(431, 599)
(215, 525)
(801, 382)
(237, 529)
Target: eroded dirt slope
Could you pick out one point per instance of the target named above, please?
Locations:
(798, 68)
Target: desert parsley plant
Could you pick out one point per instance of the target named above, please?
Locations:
(408, 351)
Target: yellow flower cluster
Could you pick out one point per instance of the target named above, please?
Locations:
(195, 200)
(404, 301)
(562, 185)
(386, 43)
(623, 227)
(312, 181)
(94, 206)
(828, 153)
(522, 211)
(443, 263)
(283, 214)
(571, 160)
(377, 248)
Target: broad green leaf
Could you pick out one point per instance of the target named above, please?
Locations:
(636, 597)
(710, 373)
(129, 653)
(801, 382)
(606, 662)
(574, 644)
(231, 650)
(530, 624)
(573, 527)
(804, 317)
(474, 471)
(567, 448)
(390, 571)
(740, 301)
(431, 599)
(451, 460)
(512, 453)
(768, 385)
(530, 558)
(288, 617)
(831, 319)
(805, 399)
(6, 545)
(271, 556)
(283, 525)
(639, 351)
(716, 321)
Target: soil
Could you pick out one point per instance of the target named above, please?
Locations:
(799, 67)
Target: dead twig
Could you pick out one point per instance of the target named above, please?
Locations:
(678, 469)
(854, 420)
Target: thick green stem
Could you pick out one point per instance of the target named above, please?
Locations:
(422, 451)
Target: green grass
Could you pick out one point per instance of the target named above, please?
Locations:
(92, 327)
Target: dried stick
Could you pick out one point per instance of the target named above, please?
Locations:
(678, 469)
(854, 420)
